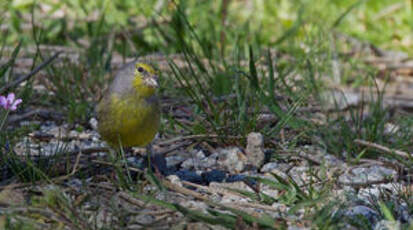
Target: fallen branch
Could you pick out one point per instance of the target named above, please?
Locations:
(43, 113)
(29, 75)
(382, 148)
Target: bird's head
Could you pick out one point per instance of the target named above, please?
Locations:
(145, 79)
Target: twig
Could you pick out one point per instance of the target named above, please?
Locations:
(255, 206)
(367, 183)
(173, 148)
(76, 163)
(185, 191)
(213, 190)
(385, 162)
(382, 148)
(29, 75)
(89, 150)
(131, 199)
(199, 136)
(110, 164)
(44, 113)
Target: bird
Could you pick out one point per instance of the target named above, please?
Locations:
(129, 113)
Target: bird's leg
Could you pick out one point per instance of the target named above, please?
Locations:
(157, 161)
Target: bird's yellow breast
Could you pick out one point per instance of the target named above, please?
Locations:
(128, 121)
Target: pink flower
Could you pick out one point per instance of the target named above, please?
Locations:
(10, 102)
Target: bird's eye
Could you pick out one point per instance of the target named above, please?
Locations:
(140, 69)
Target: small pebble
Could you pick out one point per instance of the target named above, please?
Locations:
(254, 151)
(232, 159)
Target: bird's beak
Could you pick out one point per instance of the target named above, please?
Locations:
(152, 81)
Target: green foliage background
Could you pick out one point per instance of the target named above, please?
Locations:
(386, 23)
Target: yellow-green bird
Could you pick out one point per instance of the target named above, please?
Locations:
(129, 113)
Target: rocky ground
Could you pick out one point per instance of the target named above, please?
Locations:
(202, 178)
(247, 183)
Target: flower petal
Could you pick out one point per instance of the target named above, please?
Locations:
(3, 101)
(15, 104)
(10, 98)
(12, 108)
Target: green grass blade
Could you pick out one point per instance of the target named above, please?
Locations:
(346, 12)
